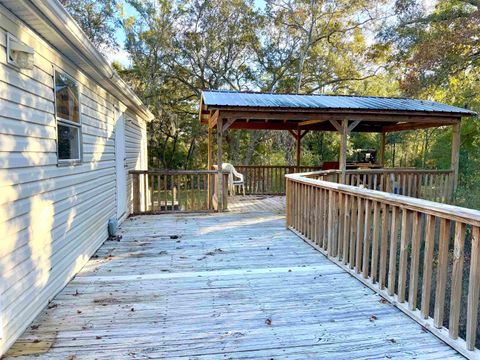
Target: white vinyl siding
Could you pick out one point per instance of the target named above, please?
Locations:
(52, 219)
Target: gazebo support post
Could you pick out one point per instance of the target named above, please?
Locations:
(209, 167)
(455, 156)
(298, 139)
(219, 187)
(343, 150)
(382, 148)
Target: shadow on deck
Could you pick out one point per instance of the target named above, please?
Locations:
(230, 285)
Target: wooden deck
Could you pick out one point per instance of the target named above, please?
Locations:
(218, 286)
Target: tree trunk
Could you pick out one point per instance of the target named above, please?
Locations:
(252, 144)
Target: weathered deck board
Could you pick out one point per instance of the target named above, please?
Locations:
(209, 293)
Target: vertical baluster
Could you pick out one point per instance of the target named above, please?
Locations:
(145, 192)
(360, 235)
(318, 216)
(159, 193)
(366, 238)
(165, 182)
(415, 260)
(354, 230)
(150, 185)
(325, 217)
(427, 265)
(330, 222)
(375, 241)
(335, 225)
(307, 211)
(402, 263)
(392, 264)
(315, 215)
(457, 272)
(341, 223)
(346, 228)
(192, 191)
(473, 289)
(442, 268)
(383, 247)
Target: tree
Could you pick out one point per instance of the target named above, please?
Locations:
(99, 19)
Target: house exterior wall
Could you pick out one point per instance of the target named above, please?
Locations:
(52, 218)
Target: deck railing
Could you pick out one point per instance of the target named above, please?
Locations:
(268, 179)
(421, 255)
(159, 191)
(434, 185)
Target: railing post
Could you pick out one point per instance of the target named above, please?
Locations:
(455, 155)
(219, 184)
(136, 192)
(225, 191)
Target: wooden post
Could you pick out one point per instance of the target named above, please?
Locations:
(136, 193)
(382, 148)
(299, 147)
(219, 164)
(209, 167)
(343, 151)
(455, 155)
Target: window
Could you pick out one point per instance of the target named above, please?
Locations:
(67, 110)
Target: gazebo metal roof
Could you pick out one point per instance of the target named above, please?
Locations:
(219, 98)
(251, 110)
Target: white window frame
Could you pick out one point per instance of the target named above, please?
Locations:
(64, 122)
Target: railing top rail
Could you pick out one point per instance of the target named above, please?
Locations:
(176, 172)
(382, 171)
(280, 166)
(457, 213)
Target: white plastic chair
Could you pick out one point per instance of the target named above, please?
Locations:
(235, 179)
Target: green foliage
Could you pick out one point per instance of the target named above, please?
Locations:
(99, 19)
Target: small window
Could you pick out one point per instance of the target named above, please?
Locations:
(67, 110)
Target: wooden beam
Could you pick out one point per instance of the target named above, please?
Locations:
(303, 133)
(299, 116)
(337, 126)
(353, 125)
(414, 126)
(212, 122)
(293, 133)
(228, 124)
(311, 122)
(455, 155)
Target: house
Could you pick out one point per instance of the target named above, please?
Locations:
(70, 130)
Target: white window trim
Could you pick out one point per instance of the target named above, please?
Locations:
(61, 121)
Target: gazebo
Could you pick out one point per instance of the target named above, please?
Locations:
(299, 114)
